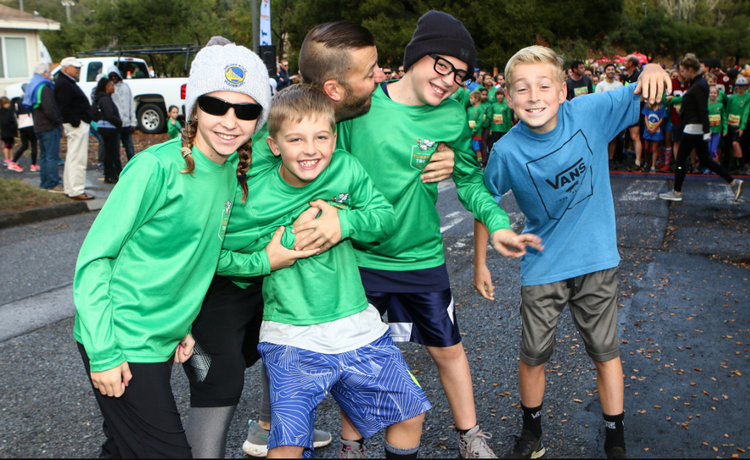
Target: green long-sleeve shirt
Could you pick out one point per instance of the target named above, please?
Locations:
(173, 129)
(737, 110)
(501, 118)
(394, 142)
(318, 289)
(462, 95)
(475, 116)
(150, 255)
(717, 117)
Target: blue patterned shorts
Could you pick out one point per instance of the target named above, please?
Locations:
(372, 385)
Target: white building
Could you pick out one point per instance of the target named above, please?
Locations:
(20, 47)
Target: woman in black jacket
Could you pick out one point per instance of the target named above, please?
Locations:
(108, 123)
(697, 131)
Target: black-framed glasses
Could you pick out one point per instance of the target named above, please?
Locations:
(445, 68)
(217, 107)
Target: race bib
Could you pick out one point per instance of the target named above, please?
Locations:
(734, 120)
(714, 120)
(497, 118)
(472, 124)
(651, 124)
(581, 91)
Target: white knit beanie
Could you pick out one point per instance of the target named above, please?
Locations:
(224, 66)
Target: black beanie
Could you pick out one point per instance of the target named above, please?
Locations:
(440, 33)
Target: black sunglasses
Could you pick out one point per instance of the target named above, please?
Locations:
(217, 107)
(445, 68)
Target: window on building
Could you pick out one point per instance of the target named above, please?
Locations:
(13, 58)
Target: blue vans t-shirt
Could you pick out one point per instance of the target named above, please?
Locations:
(560, 180)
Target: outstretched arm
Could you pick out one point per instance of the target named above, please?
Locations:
(653, 82)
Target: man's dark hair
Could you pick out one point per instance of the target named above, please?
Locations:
(633, 60)
(714, 63)
(610, 65)
(574, 65)
(325, 52)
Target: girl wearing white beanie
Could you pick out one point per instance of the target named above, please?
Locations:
(149, 257)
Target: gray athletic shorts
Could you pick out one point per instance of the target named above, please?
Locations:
(593, 305)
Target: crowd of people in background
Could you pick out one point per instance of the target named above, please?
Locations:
(651, 145)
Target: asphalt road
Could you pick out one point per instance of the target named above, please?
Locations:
(683, 326)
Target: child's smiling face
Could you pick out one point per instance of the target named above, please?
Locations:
(536, 94)
(305, 148)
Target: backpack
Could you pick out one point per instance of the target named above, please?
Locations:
(96, 111)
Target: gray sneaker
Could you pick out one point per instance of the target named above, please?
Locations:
(671, 196)
(256, 444)
(352, 449)
(473, 444)
(737, 188)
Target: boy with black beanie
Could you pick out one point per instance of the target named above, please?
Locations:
(406, 274)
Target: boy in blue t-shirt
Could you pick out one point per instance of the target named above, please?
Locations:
(555, 161)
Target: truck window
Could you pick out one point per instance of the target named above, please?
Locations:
(94, 69)
(130, 69)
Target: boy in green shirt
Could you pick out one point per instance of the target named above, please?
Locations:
(475, 115)
(738, 108)
(501, 120)
(319, 334)
(406, 274)
(717, 118)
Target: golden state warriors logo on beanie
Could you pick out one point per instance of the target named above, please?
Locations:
(224, 66)
(235, 74)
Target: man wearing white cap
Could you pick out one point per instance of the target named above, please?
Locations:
(75, 110)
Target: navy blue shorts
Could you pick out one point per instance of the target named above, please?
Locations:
(419, 304)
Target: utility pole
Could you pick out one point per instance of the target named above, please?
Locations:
(20, 5)
(67, 4)
(254, 7)
(645, 7)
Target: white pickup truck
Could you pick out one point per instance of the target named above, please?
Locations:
(152, 95)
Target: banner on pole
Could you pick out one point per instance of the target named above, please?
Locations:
(265, 22)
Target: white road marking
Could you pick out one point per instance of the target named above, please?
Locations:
(453, 219)
(642, 190)
(720, 192)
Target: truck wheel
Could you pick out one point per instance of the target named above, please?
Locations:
(151, 119)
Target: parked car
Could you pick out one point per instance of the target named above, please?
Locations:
(151, 95)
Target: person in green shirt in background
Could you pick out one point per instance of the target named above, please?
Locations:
(173, 125)
(489, 83)
(475, 115)
(406, 274)
(462, 96)
(486, 121)
(501, 121)
(150, 255)
(319, 333)
(738, 108)
(717, 118)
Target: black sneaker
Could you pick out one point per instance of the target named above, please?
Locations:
(616, 452)
(527, 446)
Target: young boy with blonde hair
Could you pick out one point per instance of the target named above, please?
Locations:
(319, 334)
(555, 161)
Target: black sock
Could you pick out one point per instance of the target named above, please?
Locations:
(396, 453)
(532, 419)
(462, 432)
(615, 431)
